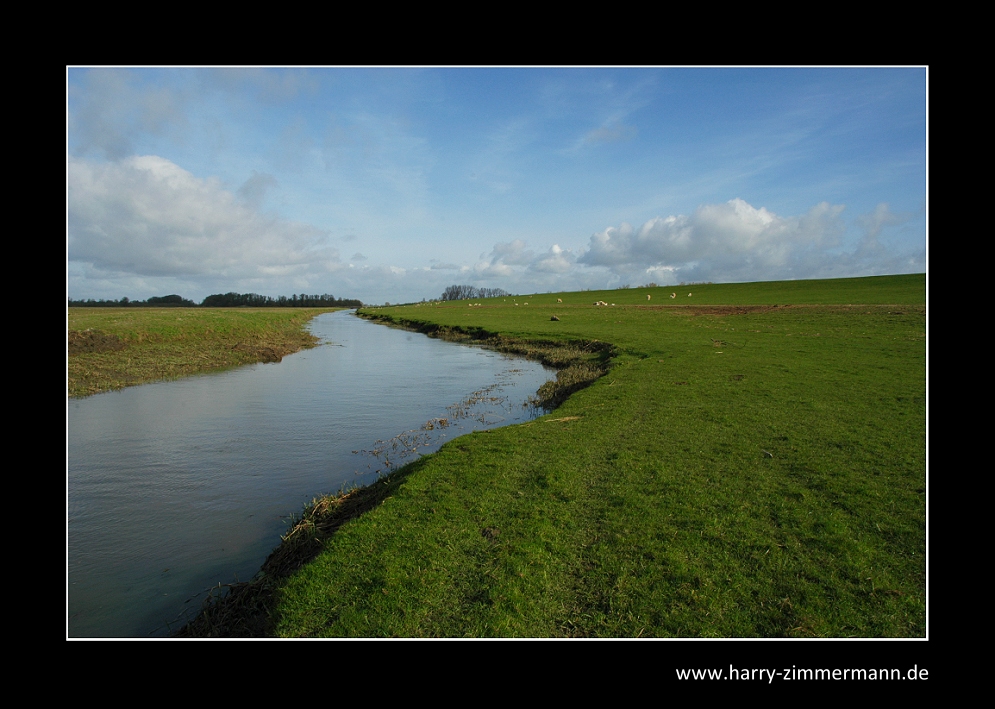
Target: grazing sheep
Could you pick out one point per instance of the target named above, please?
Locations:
(648, 296)
(673, 295)
(689, 295)
(559, 300)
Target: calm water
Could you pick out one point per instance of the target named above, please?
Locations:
(178, 486)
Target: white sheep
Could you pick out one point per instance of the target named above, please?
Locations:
(648, 296)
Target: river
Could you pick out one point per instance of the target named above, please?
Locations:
(176, 487)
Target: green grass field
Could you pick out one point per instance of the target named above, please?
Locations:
(753, 464)
(111, 348)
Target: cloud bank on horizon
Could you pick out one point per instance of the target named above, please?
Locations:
(201, 181)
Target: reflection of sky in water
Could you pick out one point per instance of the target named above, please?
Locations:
(178, 486)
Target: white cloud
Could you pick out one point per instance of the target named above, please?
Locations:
(148, 225)
(146, 216)
(556, 260)
(873, 225)
(512, 253)
(493, 270)
(734, 239)
(728, 242)
(505, 256)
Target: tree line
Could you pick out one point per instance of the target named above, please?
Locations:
(470, 292)
(254, 300)
(226, 300)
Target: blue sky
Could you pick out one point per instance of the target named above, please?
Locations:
(389, 184)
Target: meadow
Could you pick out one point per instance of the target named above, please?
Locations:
(752, 463)
(111, 348)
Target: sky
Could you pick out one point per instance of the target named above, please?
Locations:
(388, 184)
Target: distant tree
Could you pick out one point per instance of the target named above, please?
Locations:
(170, 301)
(458, 293)
(158, 302)
(470, 292)
(254, 300)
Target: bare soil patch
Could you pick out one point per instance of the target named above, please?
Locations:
(264, 353)
(88, 341)
(734, 309)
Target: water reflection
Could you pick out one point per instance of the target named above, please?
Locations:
(178, 486)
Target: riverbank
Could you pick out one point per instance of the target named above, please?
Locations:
(577, 362)
(112, 348)
(210, 468)
(749, 466)
(242, 609)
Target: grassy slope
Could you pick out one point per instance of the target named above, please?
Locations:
(166, 343)
(738, 474)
